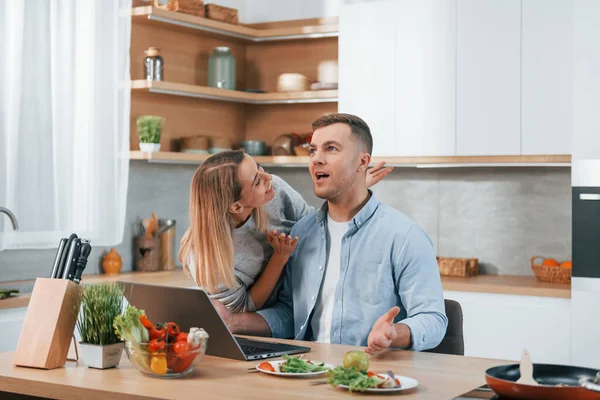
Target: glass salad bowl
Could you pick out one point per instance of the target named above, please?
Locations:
(173, 360)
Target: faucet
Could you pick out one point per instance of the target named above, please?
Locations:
(12, 217)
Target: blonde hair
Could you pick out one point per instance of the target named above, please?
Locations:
(209, 239)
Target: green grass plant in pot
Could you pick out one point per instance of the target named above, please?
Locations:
(100, 346)
(149, 130)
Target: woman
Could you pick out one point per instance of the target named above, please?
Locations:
(226, 248)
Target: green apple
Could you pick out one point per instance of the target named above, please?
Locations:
(356, 359)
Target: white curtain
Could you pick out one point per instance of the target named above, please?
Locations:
(64, 120)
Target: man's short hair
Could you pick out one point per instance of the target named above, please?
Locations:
(358, 127)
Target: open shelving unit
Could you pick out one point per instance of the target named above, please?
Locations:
(262, 52)
(255, 110)
(210, 93)
(416, 162)
(292, 30)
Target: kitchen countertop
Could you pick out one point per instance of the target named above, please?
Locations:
(495, 284)
(440, 377)
(507, 284)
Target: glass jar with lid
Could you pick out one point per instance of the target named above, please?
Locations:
(221, 68)
(153, 64)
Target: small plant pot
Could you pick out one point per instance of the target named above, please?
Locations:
(101, 357)
(149, 147)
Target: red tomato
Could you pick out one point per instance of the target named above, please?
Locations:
(157, 332)
(182, 337)
(156, 345)
(172, 328)
(181, 349)
(265, 366)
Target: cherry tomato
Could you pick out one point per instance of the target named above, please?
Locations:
(157, 332)
(172, 328)
(156, 345)
(182, 337)
(181, 349)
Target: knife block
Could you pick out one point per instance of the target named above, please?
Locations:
(49, 324)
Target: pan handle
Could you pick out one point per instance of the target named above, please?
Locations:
(591, 384)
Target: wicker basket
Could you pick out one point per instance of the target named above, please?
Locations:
(550, 274)
(192, 7)
(460, 267)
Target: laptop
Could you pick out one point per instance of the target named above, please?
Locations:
(191, 307)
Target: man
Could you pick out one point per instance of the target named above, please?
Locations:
(362, 273)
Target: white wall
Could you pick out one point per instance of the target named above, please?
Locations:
(277, 10)
(255, 11)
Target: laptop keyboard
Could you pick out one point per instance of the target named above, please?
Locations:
(250, 350)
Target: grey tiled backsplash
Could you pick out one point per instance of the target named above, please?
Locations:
(502, 216)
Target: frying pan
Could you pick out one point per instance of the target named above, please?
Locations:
(502, 380)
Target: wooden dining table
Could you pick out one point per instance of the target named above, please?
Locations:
(440, 377)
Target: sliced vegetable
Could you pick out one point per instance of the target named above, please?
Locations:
(356, 381)
(299, 366)
(265, 366)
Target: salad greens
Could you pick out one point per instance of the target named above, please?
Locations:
(128, 326)
(357, 381)
(298, 365)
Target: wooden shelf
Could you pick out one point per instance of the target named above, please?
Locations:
(237, 96)
(191, 158)
(418, 162)
(153, 15)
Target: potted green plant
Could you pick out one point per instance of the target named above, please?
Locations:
(100, 304)
(149, 131)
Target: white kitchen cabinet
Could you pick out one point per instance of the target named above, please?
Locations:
(488, 87)
(11, 322)
(547, 63)
(425, 77)
(586, 91)
(585, 324)
(501, 326)
(367, 69)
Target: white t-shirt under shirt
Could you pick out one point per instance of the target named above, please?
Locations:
(321, 320)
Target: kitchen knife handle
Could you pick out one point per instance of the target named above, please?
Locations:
(62, 264)
(82, 260)
(68, 268)
(59, 252)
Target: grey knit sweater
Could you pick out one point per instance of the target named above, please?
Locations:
(252, 251)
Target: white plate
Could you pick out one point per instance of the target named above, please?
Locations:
(405, 382)
(277, 363)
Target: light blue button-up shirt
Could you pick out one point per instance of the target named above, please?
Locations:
(386, 261)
